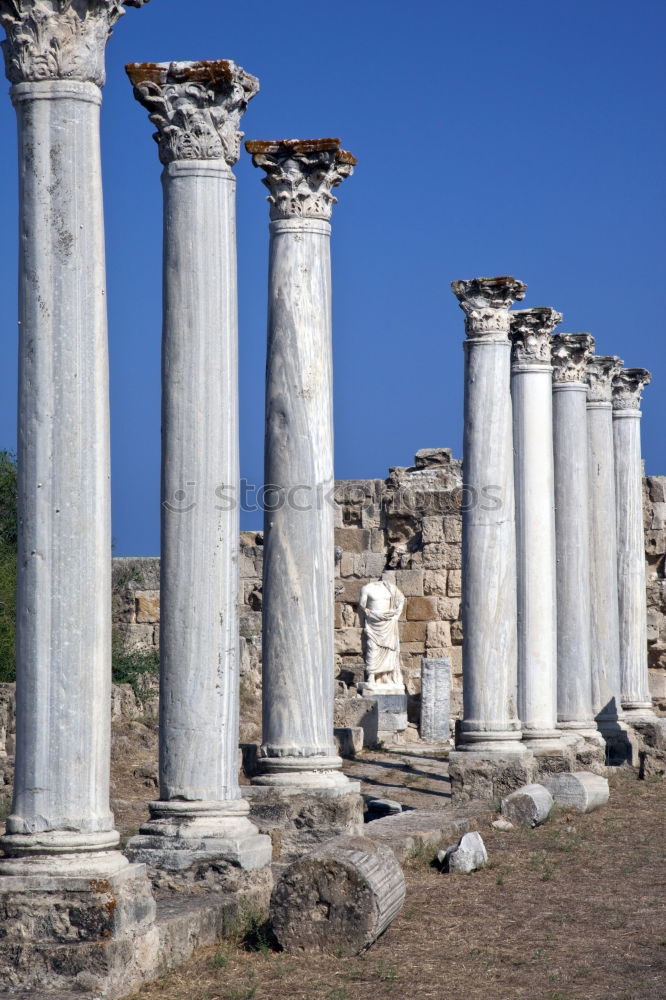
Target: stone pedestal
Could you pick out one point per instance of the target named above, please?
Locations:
(628, 387)
(298, 748)
(435, 700)
(490, 722)
(570, 354)
(531, 391)
(200, 817)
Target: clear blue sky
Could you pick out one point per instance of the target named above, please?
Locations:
(520, 137)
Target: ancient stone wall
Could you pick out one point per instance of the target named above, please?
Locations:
(655, 553)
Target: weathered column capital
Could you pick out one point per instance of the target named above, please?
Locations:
(628, 387)
(600, 374)
(301, 175)
(570, 354)
(530, 334)
(196, 106)
(58, 39)
(486, 303)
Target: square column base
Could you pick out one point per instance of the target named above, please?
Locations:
(488, 776)
(651, 736)
(61, 933)
(299, 819)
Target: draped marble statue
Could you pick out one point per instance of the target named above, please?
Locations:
(382, 605)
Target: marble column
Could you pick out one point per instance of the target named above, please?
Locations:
(60, 820)
(490, 720)
(570, 355)
(298, 654)
(604, 613)
(531, 391)
(197, 108)
(628, 388)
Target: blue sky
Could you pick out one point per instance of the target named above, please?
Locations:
(524, 137)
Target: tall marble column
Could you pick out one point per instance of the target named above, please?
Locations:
(490, 719)
(604, 614)
(61, 821)
(570, 354)
(197, 109)
(531, 391)
(628, 388)
(298, 655)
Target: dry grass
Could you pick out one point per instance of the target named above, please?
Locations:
(575, 910)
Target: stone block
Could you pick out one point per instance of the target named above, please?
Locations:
(432, 529)
(353, 539)
(392, 722)
(378, 808)
(467, 856)
(453, 530)
(455, 583)
(528, 806)
(349, 641)
(421, 609)
(378, 540)
(657, 682)
(435, 700)
(457, 633)
(354, 712)
(347, 564)
(349, 591)
(448, 608)
(369, 564)
(434, 582)
(478, 775)
(438, 634)
(349, 740)
(435, 556)
(413, 631)
(582, 790)
(410, 582)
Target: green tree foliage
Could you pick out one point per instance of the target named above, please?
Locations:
(8, 539)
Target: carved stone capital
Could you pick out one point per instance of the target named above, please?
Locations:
(486, 303)
(196, 106)
(301, 175)
(628, 388)
(600, 374)
(570, 353)
(530, 334)
(58, 39)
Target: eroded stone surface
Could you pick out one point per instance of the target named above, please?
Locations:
(529, 806)
(582, 790)
(467, 856)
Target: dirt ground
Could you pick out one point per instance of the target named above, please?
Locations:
(575, 910)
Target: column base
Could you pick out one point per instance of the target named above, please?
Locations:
(301, 772)
(202, 845)
(498, 742)
(542, 739)
(60, 853)
(298, 819)
(80, 934)
(621, 743)
(638, 712)
(584, 729)
(477, 774)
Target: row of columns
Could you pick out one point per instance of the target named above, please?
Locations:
(553, 603)
(60, 821)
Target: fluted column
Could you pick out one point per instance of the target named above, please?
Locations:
(531, 391)
(571, 353)
(197, 109)
(628, 388)
(61, 820)
(298, 594)
(490, 720)
(604, 614)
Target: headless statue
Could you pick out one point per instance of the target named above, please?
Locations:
(382, 603)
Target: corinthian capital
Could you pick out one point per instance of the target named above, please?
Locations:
(301, 175)
(628, 388)
(530, 335)
(486, 303)
(600, 374)
(58, 39)
(570, 354)
(196, 106)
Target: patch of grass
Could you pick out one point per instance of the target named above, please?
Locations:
(219, 960)
(128, 666)
(386, 973)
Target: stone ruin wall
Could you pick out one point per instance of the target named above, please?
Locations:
(406, 528)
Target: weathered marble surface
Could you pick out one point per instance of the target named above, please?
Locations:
(604, 611)
(628, 387)
(197, 108)
(298, 593)
(489, 543)
(571, 352)
(435, 700)
(382, 604)
(531, 391)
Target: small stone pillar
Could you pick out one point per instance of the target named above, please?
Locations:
(298, 747)
(197, 109)
(531, 390)
(61, 822)
(490, 723)
(570, 354)
(435, 700)
(628, 388)
(604, 613)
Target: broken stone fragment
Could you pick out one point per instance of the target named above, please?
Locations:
(528, 806)
(582, 791)
(467, 856)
